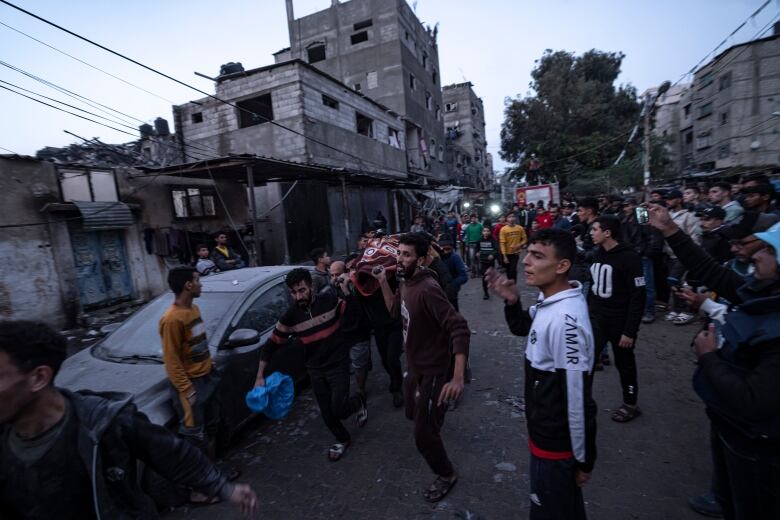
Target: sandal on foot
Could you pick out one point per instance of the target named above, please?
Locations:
(439, 489)
(626, 413)
(337, 451)
(362, 414)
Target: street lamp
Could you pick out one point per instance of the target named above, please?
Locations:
(467, 205)
(494, 209)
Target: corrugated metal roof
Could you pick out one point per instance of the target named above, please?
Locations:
(100, 216)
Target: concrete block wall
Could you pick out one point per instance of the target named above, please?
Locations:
(29, 280)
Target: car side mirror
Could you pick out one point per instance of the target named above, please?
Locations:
(242, 338)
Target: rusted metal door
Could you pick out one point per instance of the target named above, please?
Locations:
(101, 267)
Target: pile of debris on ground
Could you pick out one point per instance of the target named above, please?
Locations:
(95, 324)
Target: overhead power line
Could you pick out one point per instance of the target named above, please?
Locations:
(52, 47)
(65, 104)
(94, 104)
(201, 148)
(360, 160)
(9, 151)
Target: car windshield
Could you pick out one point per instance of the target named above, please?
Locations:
(138, 337)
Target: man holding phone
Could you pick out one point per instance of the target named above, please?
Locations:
(648, 244)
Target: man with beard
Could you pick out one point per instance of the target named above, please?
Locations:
(317, 320)
(436, 341)
(758, 197)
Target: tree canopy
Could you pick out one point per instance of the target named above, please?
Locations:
(575, 121)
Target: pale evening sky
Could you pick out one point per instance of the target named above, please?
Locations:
(492, 43)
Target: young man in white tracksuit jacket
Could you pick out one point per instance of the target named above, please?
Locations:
(559, 409)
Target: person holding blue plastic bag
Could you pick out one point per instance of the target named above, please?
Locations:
(316, 321)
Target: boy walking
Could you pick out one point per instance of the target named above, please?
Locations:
(487, 250)
(559, 409)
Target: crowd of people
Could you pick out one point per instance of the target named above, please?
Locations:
(604, 267)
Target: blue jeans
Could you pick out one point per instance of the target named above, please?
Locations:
(647, 266)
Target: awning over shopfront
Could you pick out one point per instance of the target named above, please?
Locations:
(101, 216)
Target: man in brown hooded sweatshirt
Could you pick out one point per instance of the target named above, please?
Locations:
(436, 341)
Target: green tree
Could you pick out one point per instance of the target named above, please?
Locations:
(575, 121)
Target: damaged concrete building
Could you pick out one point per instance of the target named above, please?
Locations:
(294, 112)
(379, 48)
(464, 125)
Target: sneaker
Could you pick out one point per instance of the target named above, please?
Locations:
(671, 316)
(648, 318)
(684, 318)
(706, 505)
(362, 413)
(398, 399)
(486, 297)
(598, 367)
(605, 361)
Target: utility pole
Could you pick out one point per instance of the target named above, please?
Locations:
(646, 155)
(650, 99)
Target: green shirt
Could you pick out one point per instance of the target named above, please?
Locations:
(473, 232)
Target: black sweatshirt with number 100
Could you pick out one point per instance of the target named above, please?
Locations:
(618, 290)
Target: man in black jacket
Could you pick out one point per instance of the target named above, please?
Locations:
(738, 377)
(75, 455)
(318, 320)
(616, 303)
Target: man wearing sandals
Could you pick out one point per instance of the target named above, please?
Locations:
(436, 341)
(316, 320)
(559, 409)
(616, 302)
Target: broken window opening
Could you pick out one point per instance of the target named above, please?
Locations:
(330, 102)
(193, 202)
(255, 111)
(363, 25)
(427, 100)
(197, 117)
(365, 125)
(359, 37)
(412, 81)
(316, 52)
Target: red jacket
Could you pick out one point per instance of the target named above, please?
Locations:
(545, 220)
